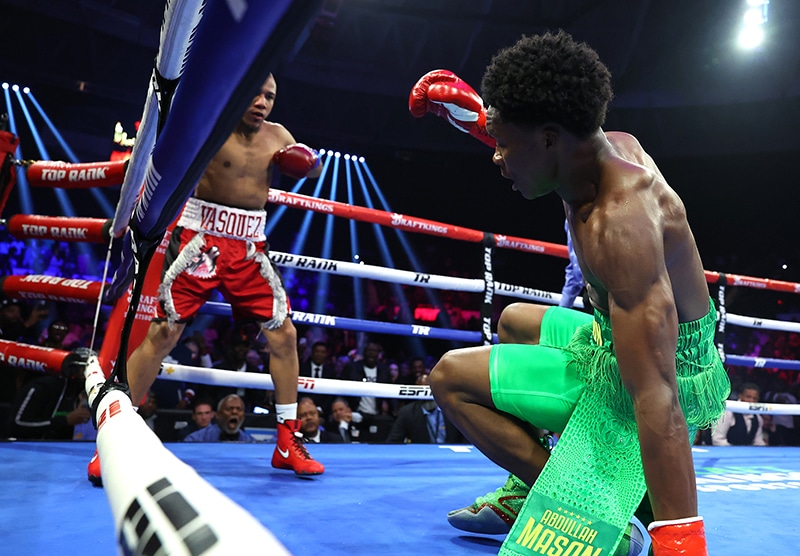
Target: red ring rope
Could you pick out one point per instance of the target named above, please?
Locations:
(48, 173)
(60, 228)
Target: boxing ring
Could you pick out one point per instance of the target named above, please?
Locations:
(387, 498)
(387, 487)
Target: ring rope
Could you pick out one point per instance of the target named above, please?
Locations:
(53, 361)
(79, 291)
(432, 227)
(234, 379)
(59, 228)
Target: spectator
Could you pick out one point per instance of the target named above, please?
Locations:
(148, 410)
(782, 431)
(48, 407)
(310, 420)
(422, 422)
(56, 332)
(318, 366)
(228, 428)
(417, 368)
(17, 325)
(368, 369)
(344, 420)
(202, 415)
(235, 359)
(741, 429)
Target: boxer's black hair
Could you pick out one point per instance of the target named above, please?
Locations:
(549, 78)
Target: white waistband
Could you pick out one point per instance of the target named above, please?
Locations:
(223, 221)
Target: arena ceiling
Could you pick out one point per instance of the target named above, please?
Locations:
(681, 83)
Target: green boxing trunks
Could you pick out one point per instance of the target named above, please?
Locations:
(570, 382)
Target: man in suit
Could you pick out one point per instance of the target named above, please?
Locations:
(422, 422)
(368, 369)
(741, 429)
(318, 366)
(310, 421)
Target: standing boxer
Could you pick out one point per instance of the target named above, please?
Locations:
(627, 386)
(219, 243)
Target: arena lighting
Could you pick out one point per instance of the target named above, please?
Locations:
(15, 88)
(323, 284)
(431, 294)
(26, 90)
(97, 193)
(358, 298)
(66, 205)
(67, 209)
(756, 15)
(25, 199)
(302, 234)
(386, 255)
(5, 85)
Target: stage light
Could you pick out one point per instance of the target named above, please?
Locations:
(337, 154)
(15, 88)
(755, 18)
(347, 157)
(361, 159)
(5, 85)
(751, 37)
(26, 90)
(25, 197)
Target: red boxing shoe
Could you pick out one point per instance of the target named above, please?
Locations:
(290, 453)
(93, 470)
(679, 537)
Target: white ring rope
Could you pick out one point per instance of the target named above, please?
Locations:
(411, 278)
(263, 381)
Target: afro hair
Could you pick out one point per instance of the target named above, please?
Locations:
(549, 78)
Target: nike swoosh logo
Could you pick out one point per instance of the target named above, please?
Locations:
(284, 453)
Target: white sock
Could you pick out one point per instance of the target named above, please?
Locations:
(286, 411)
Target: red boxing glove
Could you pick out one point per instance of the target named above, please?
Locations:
(679, 537)
(446, 95)
(296, 160)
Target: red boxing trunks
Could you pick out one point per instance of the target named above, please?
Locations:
(224, 248)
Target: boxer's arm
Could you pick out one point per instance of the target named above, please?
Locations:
(624, 249)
